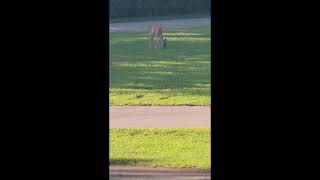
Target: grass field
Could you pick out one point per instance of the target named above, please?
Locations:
(178, 75)
(152, 18)
(177, 148)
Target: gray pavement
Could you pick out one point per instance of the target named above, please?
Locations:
(165, 24)
(144, 173)
(159, 116)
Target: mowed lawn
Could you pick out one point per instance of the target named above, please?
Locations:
(175, 148)
(178, 75)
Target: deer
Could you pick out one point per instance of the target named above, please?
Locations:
(156, 36)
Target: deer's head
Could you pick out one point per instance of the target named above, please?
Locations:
(164, 44)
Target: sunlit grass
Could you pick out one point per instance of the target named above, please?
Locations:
(178, 75)
(177, 147)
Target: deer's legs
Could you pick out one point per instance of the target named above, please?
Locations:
(155, 42)
(158, 42)
(150, 41)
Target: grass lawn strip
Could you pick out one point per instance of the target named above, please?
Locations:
(168, 147)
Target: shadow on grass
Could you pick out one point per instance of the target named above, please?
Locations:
(145, 172)
(128, 161)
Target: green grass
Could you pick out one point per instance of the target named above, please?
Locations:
(175, 148)
(178, 75)
(153, 18)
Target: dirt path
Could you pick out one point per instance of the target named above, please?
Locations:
(166, 24)
(136, 173)
(159, 116)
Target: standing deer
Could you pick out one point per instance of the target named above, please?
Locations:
(156, 36)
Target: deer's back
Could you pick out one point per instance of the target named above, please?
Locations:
(155, 29)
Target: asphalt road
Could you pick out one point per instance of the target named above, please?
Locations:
(137, 173)
(165, 24)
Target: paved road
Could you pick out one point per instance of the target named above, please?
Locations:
(159, 116)
(166, 24)
(137, 173)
